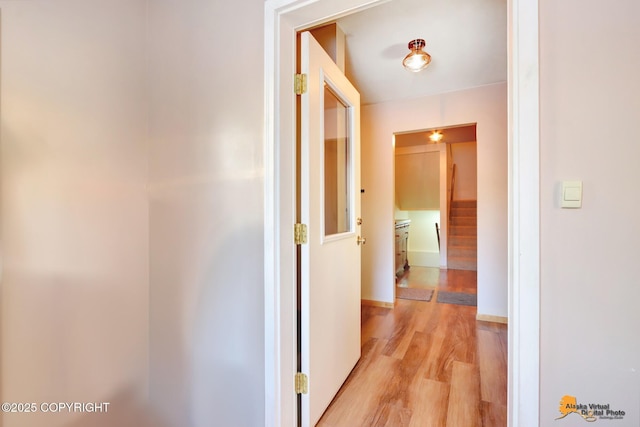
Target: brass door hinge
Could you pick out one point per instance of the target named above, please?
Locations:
(302, 383)
(300, 234)
(300, 85)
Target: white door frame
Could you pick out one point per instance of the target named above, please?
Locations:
(282, 19)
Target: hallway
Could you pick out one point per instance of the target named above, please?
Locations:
(426, 363)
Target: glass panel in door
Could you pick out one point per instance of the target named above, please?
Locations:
(337, 168)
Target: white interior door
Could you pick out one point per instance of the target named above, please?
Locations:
(330, 206)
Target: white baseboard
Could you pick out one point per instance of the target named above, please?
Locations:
(490, 318)
(424, 259)
(377, 303)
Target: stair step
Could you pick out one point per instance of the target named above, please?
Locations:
(464, 220)
(460, 263)
(463, 230)
(463, 241)
(462, 252)
(464, 203)
(463, 212)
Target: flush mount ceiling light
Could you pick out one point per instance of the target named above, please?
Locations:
(436, 136)
(417, 59)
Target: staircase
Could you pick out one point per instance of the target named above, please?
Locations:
(462, 248)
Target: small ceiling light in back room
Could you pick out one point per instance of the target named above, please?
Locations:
(436, 136)
(417, 59)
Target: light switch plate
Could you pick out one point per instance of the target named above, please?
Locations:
(571, 194)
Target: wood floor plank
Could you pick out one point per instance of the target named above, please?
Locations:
(453, 340)
(493, 414)
(426, 364)
(408, 322)
(428, 403)
(399, 388)
(378, 326)
(430, 317)
(437, 364)
(390, 415)
(346, 410)
(464, 396)
(493, 368)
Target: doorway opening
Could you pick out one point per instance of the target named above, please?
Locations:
(282, 18)
(436, 197)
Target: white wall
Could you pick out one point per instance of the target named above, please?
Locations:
(132, 211)
(486, 106)
(423, 240)
(74, 209)
(590, 346)
(206, 212)
(465, 158)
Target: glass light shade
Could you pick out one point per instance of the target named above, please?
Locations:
(435, 136)
(417, 59)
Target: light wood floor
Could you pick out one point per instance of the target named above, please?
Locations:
(426, 363)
